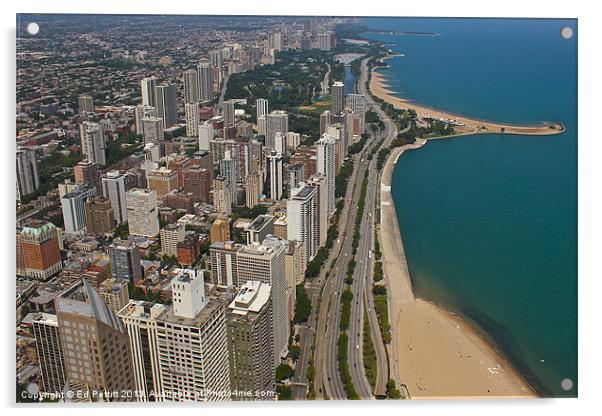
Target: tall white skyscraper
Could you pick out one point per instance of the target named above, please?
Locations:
(73, 205)
(280, 143)
(93, 142)
(265, 262)
(27, 172)
(147, 86)
(205, 71)
(113, 188)
(302, 216)
(318, 181)
(167, 104)
(357, 104)
(143, 215)
(261, 107)
(191, 86)
(192, 119)
(337, 97)
(180, 351)
(274, 176)
(327, 166)
(205, 136)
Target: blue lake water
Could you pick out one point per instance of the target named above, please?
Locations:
(489, 222)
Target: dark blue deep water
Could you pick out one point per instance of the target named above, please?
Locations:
(489, 222)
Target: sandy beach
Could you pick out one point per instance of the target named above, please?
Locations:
(434, 353)
(378, 87)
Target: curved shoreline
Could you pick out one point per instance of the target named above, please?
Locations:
(472, 125)
(435, 352)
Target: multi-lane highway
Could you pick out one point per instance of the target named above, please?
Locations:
(325, 291)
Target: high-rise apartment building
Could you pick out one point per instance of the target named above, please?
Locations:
(276, 122)
(115, 293)
(152, 129)
(45, 329)
(100, 218)
(27, 172)
(205, 71)
(205, 135)
(162, 181)
(222, 255)
(167, 104)
(86, 173)
(192, 119)
(222, 199)
(171, 235)
(259, 228)
(228, 113)
(357, 104)
(73, 206)
(302, 215)
(250, 326)
(93, 142)
(114, 188)
(273, 184)
(85, 104)
(220, 229)
(191, 86)
(39, 250)
(253, 188)
(325, 121)
(197, 180)
(264, 262)
(318, 181)
(326, 165)
(147, 86)
(125, 261)
(296, 174)
(261, 107)
(141, 112)
(95, 344)
(143, 216)
(338, 89)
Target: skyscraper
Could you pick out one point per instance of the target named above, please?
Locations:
(167, 104)
(141, 112)
(253, 188)
(318, 181)
(274, 176)
(251, 342)
(84, 104)
(223, 260)
(192, 119)
(357, 104)
(39, 247)
(205, 135)
(228, 168)
(147, 86)
(125, 261)
(261, 107)
(217, 58)
(27, 172)
(113, 188)
(337, 97)
(171, 235)
(205, 71)
(100, 218)
(326, 166)
(191, 339)
(50, 354)
(325, 121)
(228, 113)
(191, 86)
(93, 142)
(302, 215)
(276, 121)
(74, 208)
(162, 181)
(222, 199)
(86, 173)
(94, 341)
(152, 128)
(264, 262)
(143, 216)
(296, 174)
